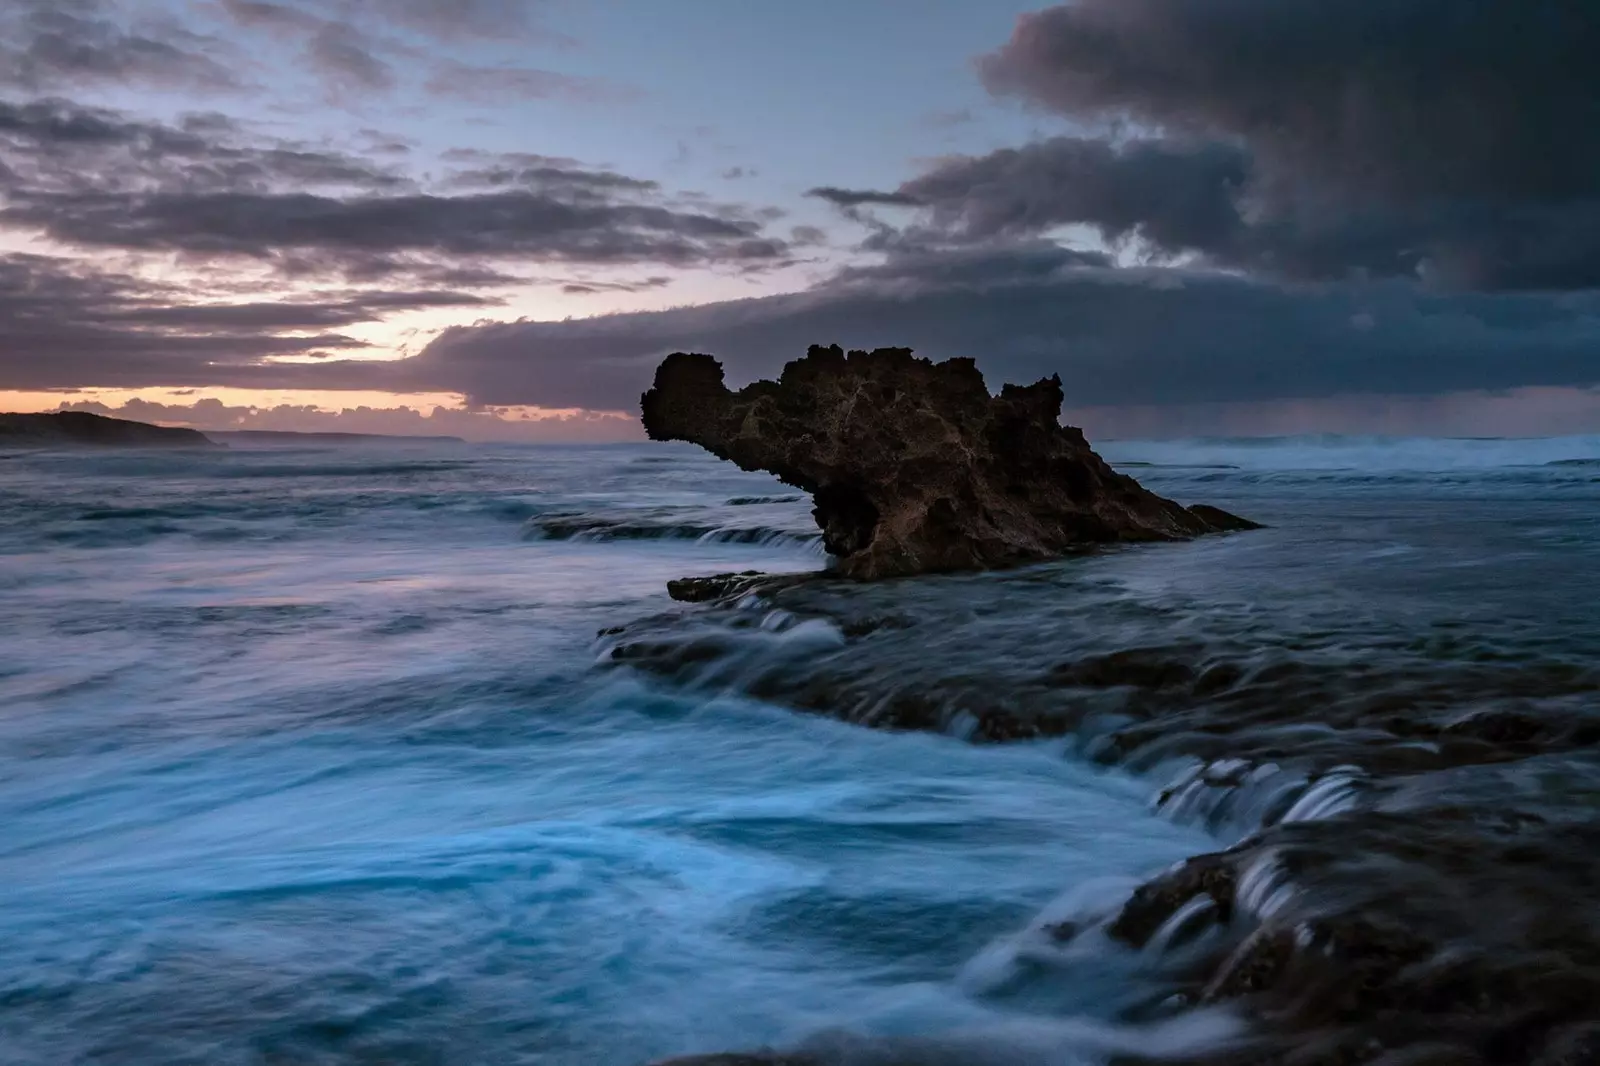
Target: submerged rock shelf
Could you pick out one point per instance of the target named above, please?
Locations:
(1400, 889)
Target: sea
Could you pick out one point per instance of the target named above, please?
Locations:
(316, 754)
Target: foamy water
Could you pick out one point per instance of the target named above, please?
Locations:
(306, 756)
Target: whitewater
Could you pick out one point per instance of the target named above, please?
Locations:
(315, 755)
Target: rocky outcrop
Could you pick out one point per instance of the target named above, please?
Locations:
(913, 466)
(79, 429)
(1422, 850)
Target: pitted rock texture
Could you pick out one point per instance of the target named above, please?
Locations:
(913, 466)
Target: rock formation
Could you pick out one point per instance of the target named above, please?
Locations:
(79, 429)
(914, 467)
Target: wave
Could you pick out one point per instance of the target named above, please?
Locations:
(600, 527)
(752, 501)
(1369, 453)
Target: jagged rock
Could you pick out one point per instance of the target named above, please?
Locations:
(913, 466)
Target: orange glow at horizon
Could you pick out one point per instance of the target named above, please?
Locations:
(328, 401)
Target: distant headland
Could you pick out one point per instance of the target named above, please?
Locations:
(80, 429)
(84, 430)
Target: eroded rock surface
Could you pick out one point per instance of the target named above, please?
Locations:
(914, 467)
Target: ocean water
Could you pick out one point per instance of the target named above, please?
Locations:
(316, 756)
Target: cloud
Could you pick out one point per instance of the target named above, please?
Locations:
(402, 420)
(50, 44)
(1177, 196)
(97, 179)
(304, 244)
(514, 223)
(282, 18)
(462, 19)
(1420, 138)
(356, 46)
(1523, 412)
(1128, 336)
(64, 325)
(54, 147)
(443, 20)
(590, 288)
(492, 85)
(863, 197)
(346, 62)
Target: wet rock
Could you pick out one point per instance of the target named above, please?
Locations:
(1137, 667)
(1221, 520)
(1255, 966)
(1499, 727)
(1157, 900)
(1443, 915)
(913, 466)
(727, 586)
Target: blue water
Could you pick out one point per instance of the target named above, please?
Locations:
(306, 756)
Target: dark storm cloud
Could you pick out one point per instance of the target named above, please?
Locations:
(1452, 99)
(48, 44)
(1179, 196)
(1449, 140)
(1157, 336)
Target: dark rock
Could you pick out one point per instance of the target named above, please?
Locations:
(1062, 931)
(1221, 520)
(1136, 667)
(81, 429)
(727, 586)
(1498, 727)
(1155, 901)
(913, 466)
(1255, 966)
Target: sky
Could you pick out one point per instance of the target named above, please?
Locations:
(492, 218)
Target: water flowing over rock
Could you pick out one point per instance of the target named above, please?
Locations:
(913, 466)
